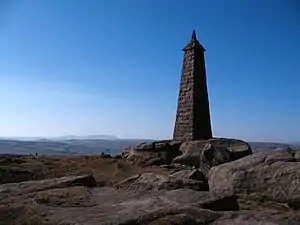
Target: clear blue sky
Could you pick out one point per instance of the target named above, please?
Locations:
(113, 67)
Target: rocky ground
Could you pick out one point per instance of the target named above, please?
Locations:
(215, 182)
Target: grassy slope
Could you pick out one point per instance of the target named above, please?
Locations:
(107, 170)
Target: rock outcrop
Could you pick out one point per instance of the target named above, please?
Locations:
(205, 154)
(177, 194)
(272, 175)
(151, 181)
(202, 154)
(153, 153)
(67, 201)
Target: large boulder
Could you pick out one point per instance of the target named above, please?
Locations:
(205, 154)
(153, 153)
(272, 175)
(151, 181)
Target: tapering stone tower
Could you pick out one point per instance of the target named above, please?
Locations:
(193, 116)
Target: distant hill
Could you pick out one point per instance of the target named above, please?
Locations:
(60, 138)
(259, 146)
(92, 145)
(87, 137)
(69, 146)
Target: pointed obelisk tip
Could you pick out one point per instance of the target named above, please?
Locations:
(194, 37)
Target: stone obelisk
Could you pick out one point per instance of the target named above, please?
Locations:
(193, 116)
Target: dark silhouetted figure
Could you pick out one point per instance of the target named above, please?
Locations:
(193, 116)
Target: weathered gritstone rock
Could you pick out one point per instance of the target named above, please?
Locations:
(132, 207)
(181, 219)
(202, 199)
(110, 206)
(153, 153)
(297, 155)
(200, 154)
(176, 167)
(257, 218)
(39, 185)
(272, 175)
(193, 175)
(191, 215)
(136, 213)
(205, 154)
(189, 174)
(178, 216)
(151, 181)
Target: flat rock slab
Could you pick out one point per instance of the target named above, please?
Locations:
(72, 200)
(120, 207)
(187, 215)
(39, 185)
(257, 218)
(152, 181)
(63, 202)
(191, 216)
